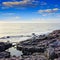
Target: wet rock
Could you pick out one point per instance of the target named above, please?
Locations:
(4, 46)
(4, 54)
(41, 45)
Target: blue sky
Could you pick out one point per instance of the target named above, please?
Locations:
(30, 10)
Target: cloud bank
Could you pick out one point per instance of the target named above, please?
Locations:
(20, 3)
(49, 10)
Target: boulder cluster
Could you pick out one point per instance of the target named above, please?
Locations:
(47, 46)
(41, 47)
(3, 47)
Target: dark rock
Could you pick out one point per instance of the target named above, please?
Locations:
(4, 54)
(4, 46)
(41, 45)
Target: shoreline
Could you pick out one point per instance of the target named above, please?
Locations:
(37, 48)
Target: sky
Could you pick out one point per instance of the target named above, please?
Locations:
(41, 11)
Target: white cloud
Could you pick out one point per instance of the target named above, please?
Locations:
(48, 10)
(45, 20)
(11, 18)
(16, 2)
(34, 20)
(8, 14)
(19, 3)
(17, 17)
(43, 3)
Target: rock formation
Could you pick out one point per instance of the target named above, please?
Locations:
(47, 45)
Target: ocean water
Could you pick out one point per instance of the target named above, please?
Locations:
(13, 29)
(17, 29)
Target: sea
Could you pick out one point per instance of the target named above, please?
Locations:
(21, 31)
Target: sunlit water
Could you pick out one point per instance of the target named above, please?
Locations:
(14, 39)
(14, 52)
(12, 29)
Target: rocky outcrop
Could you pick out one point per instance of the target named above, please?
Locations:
(4, 54)
(41, 45)
(4, 46)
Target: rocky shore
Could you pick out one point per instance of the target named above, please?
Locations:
(41, 47)
(46, 45)
(3, 47)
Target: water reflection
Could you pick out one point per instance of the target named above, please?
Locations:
(14, 51)
(14, 40)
